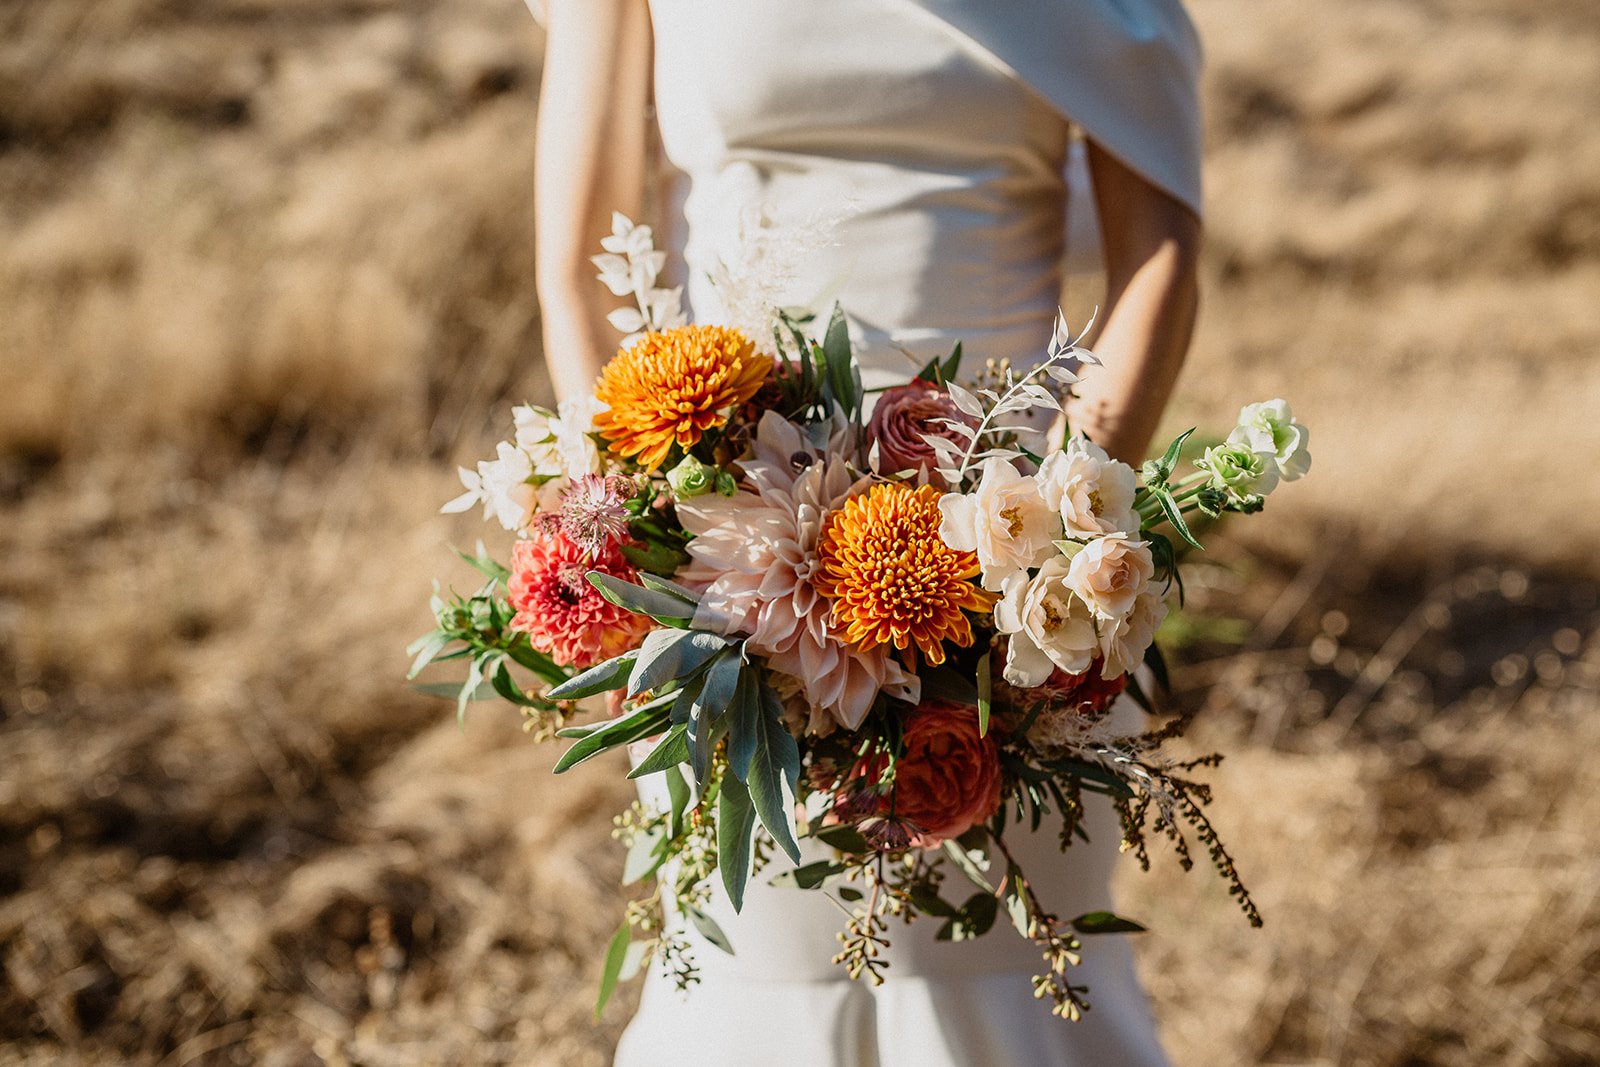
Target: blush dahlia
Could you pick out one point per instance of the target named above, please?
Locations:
(564, 616)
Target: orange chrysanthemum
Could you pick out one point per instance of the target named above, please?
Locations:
(890, 577)
(673, 386)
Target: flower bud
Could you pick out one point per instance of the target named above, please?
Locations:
(691, 478)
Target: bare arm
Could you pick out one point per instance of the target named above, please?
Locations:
(1152, 242)
(590, 161)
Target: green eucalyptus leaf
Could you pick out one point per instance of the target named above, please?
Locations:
(985, 694)
(968, 863)
(808, 876)
(744, 724)
(774, 774)
(709, 710)
(709, 929)
(601, 678)
(616, 954)
(844, 838)
(929, 902)
(672, 750)
(624, 730)
(1015, 899)
(653, 557)
(679, 795)
(673, 589)
(525, 655)
(1104, 922)
(669, 655)
(736, 827)
(425, 648)
(665, 608)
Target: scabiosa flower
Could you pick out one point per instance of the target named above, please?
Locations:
(673, 386)
(564, 616)
(891, 578)
(593, 511)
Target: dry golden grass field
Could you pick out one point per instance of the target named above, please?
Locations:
(265, 275)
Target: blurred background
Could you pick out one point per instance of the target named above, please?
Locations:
(266, 276)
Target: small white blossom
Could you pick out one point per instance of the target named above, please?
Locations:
(571, 429)
(502, 485)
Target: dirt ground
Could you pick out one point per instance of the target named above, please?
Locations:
(265, 275)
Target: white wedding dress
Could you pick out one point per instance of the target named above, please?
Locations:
(921, 144)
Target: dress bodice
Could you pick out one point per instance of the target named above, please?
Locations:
(931, 174)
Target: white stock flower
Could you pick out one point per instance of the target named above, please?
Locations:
(1124, 642)
(1109, 573)
(1048, 626)
(1240, 468)
(574, 422)
(1092, 492)
(1270, 427)
(536, 436)
(501, 485)
(1004, 520)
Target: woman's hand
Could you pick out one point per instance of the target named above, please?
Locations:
(1152, 244)
(590, 161)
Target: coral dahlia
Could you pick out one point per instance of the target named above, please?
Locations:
(670, 387)
(564, 616)
(891, 578)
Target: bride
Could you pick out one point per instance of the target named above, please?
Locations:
(934, 136)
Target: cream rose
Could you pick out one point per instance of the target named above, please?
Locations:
(1092, 492)
(1048, 626)
(1124, 642)
(1108, 574)
(1005, 521)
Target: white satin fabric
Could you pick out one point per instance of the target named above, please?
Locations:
(931, 144)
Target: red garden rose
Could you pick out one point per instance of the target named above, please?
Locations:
(902, 415)
(948, 780)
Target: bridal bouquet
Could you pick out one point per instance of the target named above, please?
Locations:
(877, 637)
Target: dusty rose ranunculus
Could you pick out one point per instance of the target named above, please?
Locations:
(948, 780)
(902, 415)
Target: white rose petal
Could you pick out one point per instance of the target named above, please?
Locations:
(1008, 524)
(1124, 644)
(1109, 574)
(1092, 492)
(1048, 626)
